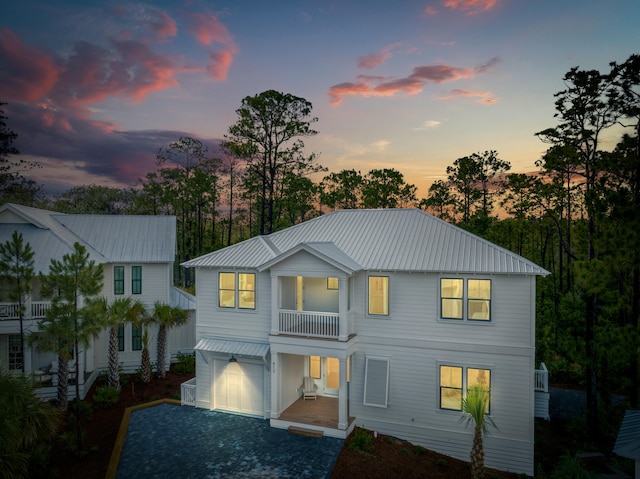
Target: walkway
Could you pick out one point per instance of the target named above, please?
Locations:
(176, 441)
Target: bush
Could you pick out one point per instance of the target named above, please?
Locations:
(361, 441)
(105, 397)
(186, 364)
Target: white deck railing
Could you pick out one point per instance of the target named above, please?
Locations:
(37, 311)
(188, 393)
(542, 378)
(310, 324)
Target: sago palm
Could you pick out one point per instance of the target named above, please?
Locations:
(25, 421)
(474, 408)
(166, 317)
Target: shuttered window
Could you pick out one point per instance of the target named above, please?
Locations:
(376, 381)
(136, 280)
(118, 280)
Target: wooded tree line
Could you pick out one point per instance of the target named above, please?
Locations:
(577, 215)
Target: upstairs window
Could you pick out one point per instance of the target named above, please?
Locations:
(118, 280)
(378, 295)
(465, 299)
(237, 289)
(136, 280)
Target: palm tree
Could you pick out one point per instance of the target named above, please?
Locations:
(474, 409)
(166, 317)
(25, 422)
(121, 311)
(16, 268)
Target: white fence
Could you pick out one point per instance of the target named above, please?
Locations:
(188, 393)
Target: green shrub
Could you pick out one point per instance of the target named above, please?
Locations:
(442, 463)
(570, 467)
(186, 364)
(105, 397)
(361, 441)
(419, 450)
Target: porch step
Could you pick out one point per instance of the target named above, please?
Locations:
(305, 432)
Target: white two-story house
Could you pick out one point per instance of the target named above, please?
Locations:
(393, 313)
(137, 254)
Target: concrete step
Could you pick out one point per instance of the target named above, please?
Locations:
(304, 431)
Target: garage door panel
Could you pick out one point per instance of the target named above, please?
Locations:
(239, 387)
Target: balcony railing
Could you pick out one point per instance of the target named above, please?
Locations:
(309, 324)
(542, 378)
(37, 310)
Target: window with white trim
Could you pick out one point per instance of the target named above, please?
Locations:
(376, 381)
(136, 280)
(15, 352)
(118, 280)
(378, 296)
(468, 299)
(237, 290)
(454, 380)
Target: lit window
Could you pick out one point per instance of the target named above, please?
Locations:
(246, 290)
(379, 295)
(245, 295)
(314, 367)
(136, 280)
(118, 280)
(471, 301)
(332, 283)
(452, 386)
(451, 298)
(227, 290)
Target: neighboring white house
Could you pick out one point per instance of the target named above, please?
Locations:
(137, 254)
(393, 312)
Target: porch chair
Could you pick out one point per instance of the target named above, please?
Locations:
(308, 388)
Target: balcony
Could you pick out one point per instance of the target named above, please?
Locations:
(309, 324)
(33, 310)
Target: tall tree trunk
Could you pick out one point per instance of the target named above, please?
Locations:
(113, 379)
(63, 381)
(162, 347)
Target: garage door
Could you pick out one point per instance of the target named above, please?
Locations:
(239, 387)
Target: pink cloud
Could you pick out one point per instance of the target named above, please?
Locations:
(429, 10)
(163, 25)
(130, 69)
(26, 74)
(410, 85)
(470, 7)
(371, 61)
(484, 97)
(220, 63)
(208, 29)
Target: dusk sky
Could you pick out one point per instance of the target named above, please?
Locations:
(94, 88)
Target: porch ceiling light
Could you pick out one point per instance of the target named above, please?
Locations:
(233, 359)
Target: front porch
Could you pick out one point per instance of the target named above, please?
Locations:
(319, 415)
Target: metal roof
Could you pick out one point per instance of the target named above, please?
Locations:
(108, 238)
(181, 299)
(380, 240)
(628, 440)
(249, 349)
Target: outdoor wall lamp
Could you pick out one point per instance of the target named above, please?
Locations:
(233, 359)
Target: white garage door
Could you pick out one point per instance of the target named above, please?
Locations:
(239, 387)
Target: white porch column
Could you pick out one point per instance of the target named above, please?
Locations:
(275, 385)
(343, 301)
(343, 399)
(275, 322)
